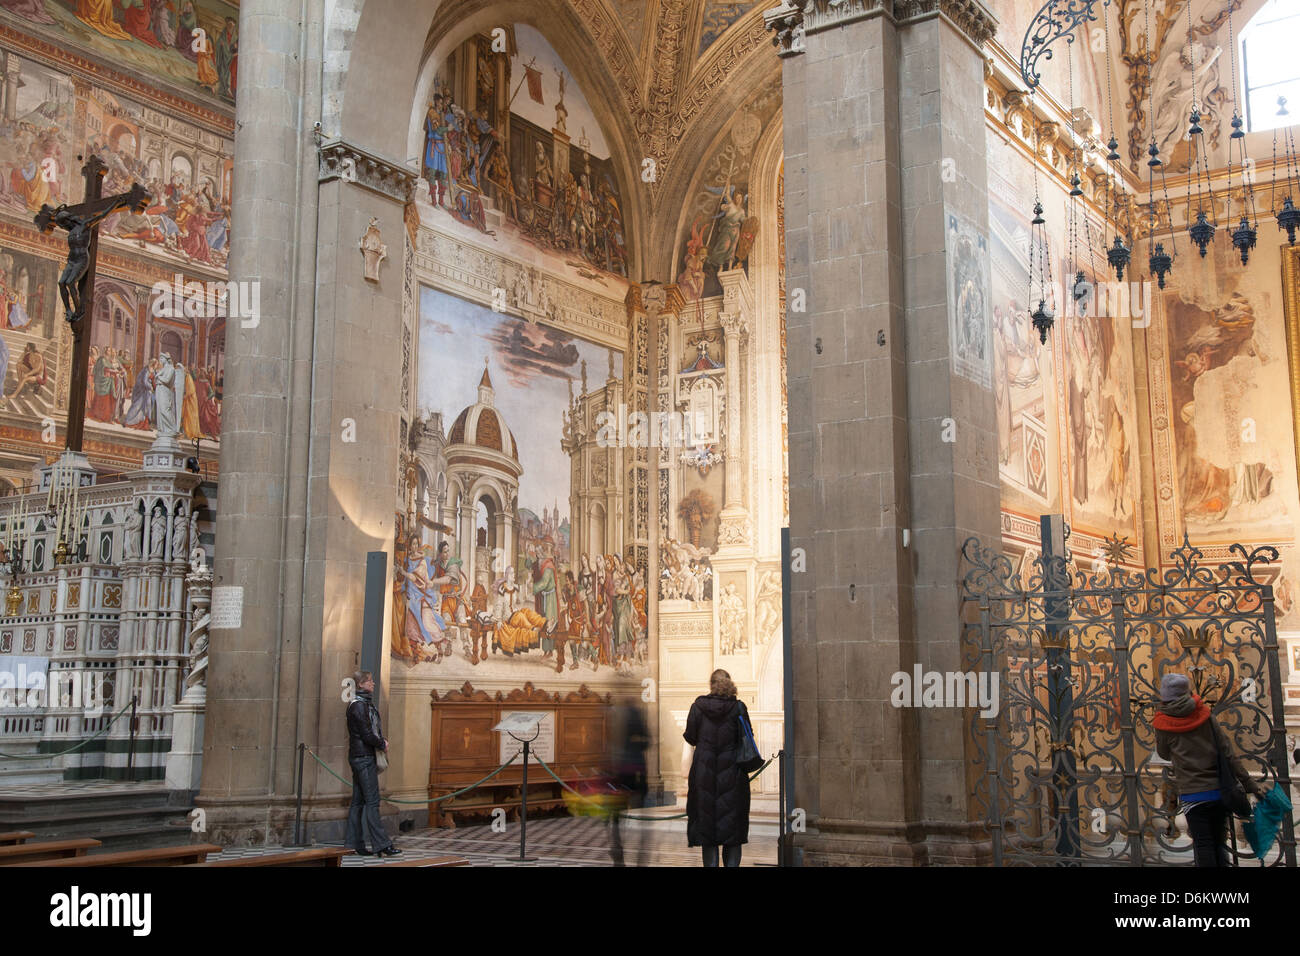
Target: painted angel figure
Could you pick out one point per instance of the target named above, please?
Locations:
(729, 222)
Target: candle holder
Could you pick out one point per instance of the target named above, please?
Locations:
(13, 600)
(61, 553)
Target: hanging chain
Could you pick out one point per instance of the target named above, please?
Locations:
(1110, 120)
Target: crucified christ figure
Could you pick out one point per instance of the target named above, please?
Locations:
(80, 232)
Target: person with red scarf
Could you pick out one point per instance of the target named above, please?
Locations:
(1187, 736)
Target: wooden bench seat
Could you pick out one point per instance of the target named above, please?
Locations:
(158, 856)
(316, 856)
(15, 836)
(49, 851)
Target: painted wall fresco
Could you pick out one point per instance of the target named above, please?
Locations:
(1067, 410)
(495, 579)
(510, 143)
(191, 44)
(719, 227)
(717, 16)
(47, 121)
(1024, 370)
(1226, 440)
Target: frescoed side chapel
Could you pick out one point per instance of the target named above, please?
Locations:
(53, 109)
(148, 89)
(538, 539)
(1179, 416)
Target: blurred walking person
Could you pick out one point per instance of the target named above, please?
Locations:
(631, 741)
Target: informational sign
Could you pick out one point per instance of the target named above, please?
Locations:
(227, 607)
(527, 723)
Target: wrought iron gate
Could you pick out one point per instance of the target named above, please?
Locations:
(1067, 768)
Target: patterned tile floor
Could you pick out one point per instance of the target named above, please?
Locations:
(556, 841)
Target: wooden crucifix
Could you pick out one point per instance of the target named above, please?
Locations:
(77, 283)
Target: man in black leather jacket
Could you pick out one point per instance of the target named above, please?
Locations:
(365, 736)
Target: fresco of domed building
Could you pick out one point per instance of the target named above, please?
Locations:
(511, 562)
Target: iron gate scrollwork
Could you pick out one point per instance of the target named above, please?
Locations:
(1067, 768)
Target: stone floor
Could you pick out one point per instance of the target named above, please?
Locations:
(556, 841)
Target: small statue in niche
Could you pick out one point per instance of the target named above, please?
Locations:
(179, 528)
(131, 536)
(373, 249)
(157, 534)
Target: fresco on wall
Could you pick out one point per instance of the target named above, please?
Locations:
(1233, 455)
(48, 121)
(718, 227)
(186, 171)
(193, 44)
(968, 297)
(1067, 409)
(718, 15)
(494, 576)
(1100, 421)
(511, 143)
(1023, 372)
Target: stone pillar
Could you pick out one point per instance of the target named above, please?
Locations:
(264, 677)
(879, 502)
(13, 75)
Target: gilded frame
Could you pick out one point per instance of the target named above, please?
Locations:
(1291, 306)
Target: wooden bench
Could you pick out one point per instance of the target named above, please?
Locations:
(159, 856)
(40, 853)
(316, 856)
(15, 836)
(433, 861)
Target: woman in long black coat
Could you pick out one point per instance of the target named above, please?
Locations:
(717, 798)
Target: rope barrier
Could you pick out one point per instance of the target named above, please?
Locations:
(60, 753)
(587, 799)
(482, 780)
(448, 796)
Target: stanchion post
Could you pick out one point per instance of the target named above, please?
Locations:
(523, 808)
(297, 811)
(780, 800)
(130, 753)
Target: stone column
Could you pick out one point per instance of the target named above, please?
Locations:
(13, 74)
(269, 478)
(879, 501)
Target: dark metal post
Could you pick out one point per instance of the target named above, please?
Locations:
(130, 754)
(780, 802)
(297, 812)
(523, 808)
(1280, 757)
(372, 616)
(787, 669)
(1060, 692)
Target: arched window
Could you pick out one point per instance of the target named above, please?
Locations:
(1269, 66)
